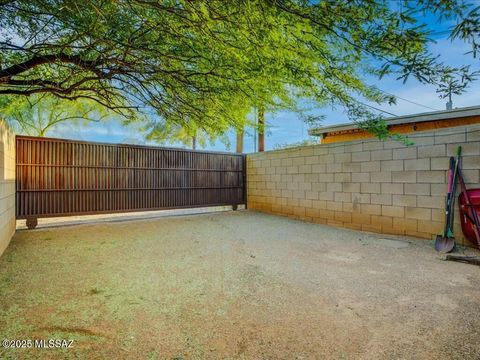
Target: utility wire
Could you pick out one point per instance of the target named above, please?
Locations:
(378, 109)
(409, 101)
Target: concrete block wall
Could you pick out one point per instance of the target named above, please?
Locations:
(7, 185)
(371, 185)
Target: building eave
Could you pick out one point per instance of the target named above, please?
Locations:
(405, 119)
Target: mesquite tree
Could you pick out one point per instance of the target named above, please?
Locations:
(207, 63)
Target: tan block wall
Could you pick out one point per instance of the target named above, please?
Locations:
(7, 186)
(372, 185)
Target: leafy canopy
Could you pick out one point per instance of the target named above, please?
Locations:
(204, 64)
(39, 115)
(167, 133)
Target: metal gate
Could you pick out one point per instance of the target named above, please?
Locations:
(57, 177)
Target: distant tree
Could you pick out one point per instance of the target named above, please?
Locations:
(38, 116)
(209, 62)
(167, 133)
(307, 142)
(452, 85)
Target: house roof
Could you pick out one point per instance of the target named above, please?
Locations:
(405, 119)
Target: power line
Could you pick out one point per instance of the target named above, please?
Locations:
(409, 101)
(378, 109)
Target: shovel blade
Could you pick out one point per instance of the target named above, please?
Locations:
(444, 244)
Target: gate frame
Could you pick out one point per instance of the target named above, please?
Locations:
(31, 219)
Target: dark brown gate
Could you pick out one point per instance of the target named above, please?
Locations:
(57, 177)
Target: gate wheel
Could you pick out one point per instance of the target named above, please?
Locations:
(32, 222)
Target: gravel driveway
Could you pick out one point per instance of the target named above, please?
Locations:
(235, 285)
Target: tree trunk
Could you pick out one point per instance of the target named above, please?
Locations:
(261, 129)
(194, 142)
(240, 141)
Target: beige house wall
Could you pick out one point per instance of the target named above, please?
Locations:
(371, 185)
(7, 185)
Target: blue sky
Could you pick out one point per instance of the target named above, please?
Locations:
(286, 127)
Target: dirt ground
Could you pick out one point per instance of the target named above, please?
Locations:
(235, 285)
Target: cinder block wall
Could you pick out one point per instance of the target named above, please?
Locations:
(7, 185)
(372, 185)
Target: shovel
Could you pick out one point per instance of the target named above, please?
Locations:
(444, 243)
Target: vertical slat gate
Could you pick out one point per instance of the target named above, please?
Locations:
(57, 177)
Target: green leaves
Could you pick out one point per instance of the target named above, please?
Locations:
(205, 64)
(38, 116)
